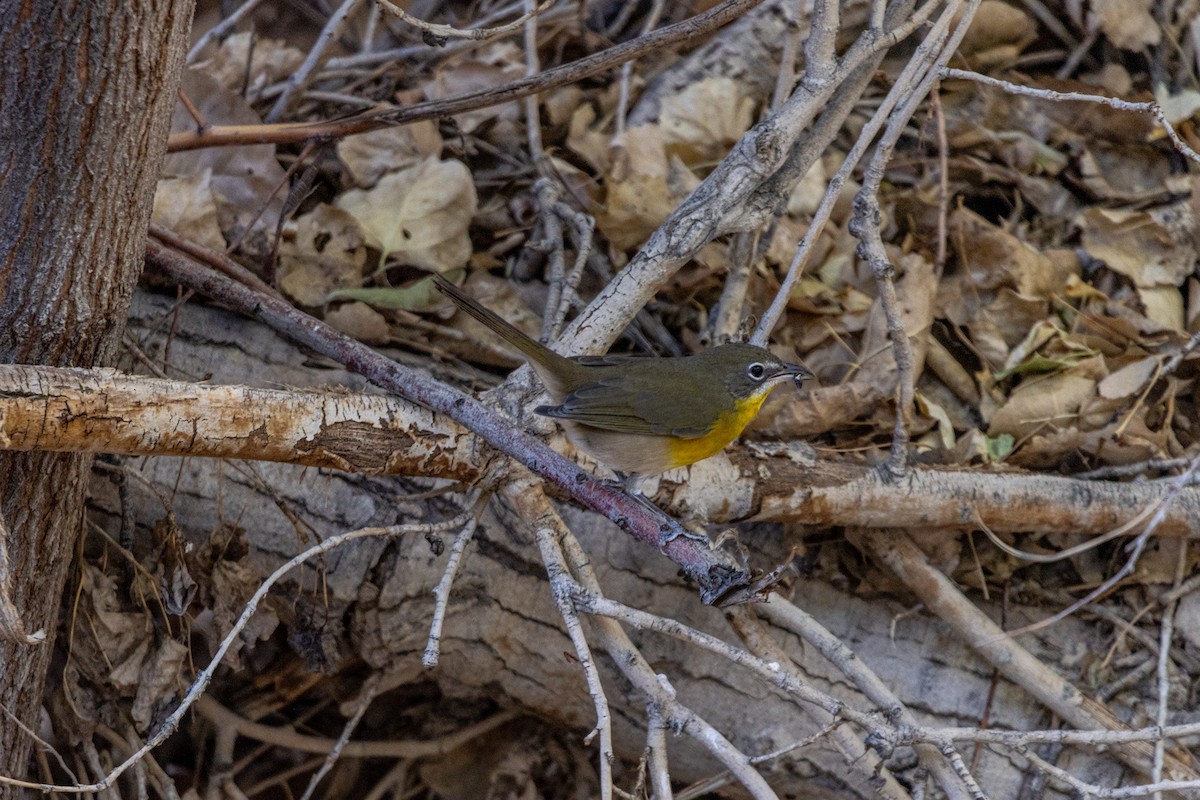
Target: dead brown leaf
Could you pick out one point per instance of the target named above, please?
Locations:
(418, 216)
(322, 251)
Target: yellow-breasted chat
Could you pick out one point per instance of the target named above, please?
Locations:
(641, 415)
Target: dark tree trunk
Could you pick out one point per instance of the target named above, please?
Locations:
(86, 92)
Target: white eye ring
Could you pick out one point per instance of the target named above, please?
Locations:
(756, 371)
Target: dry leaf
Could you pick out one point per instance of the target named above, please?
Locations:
(702, 122)
(246, 179)
(186, 206)
(944, 428)
(994, 258)
(418, 216)
(808, 192)
(121, 638)
(560, 104)
(481, 345)
(1129, 173)
(1163, 305)
(1042, 404)
(270, 61)
(1187, 620)
(360, 321)
(321, 251)
(233, 583)
(589, 143)
(490, 66)
(1130, 379)
(1145, 247)
(642, 187)
(368, 156)
(159, 682)
(999, 33)
(1177, 107)
(1114, 79)
(1128, 24)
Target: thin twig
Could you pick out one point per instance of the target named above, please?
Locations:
(571, 560)
(770, 318)
(1165, 635)
(300, 79)
(933, 52)
(581, 227)
(233, 135)
(901, 555)
(1069, 552)
(790, 617)
(1148, 107)
(287, 736)
(656, 752)
(362, 703)
(221, 28)
(746, 623)
(441, 592)
(1135, 548)
(548, 529)
(624, 81)
(437, 34)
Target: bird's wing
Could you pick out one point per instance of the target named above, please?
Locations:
(616, 403)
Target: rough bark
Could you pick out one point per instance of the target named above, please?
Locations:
(87, 90)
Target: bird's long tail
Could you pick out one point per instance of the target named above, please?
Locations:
(541, 357)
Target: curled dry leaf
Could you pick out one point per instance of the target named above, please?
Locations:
(418, 216)
(233, 583)
(942, 434)
(643, 185)
(186, 206)
(701, 123)
(322, 251)
(246, 59)
(999, 33)
(117, 649)
(119, 641)
(1128, 24)
(160, 680)
(369, 156)
(1043, 404)
(360, 321)
(246, 179)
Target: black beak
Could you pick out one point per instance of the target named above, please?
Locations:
(795, 372)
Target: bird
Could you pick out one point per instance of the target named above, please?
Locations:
(642, 415)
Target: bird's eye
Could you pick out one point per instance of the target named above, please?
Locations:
(756, 371)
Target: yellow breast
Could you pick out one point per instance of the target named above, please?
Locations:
(727, 428)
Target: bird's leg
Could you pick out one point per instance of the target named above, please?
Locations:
(632, 484)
